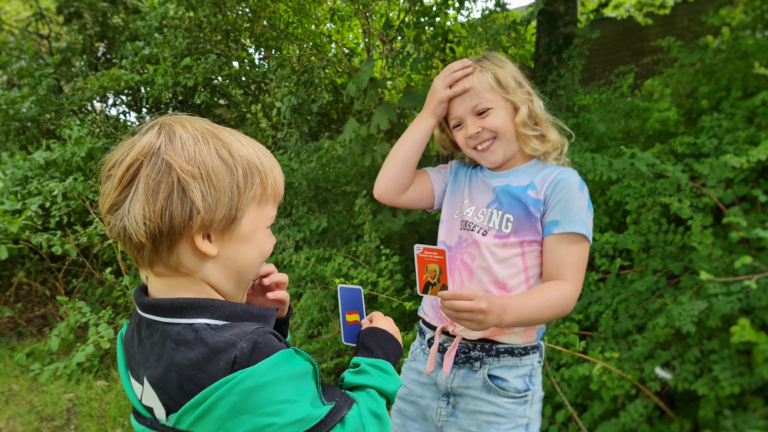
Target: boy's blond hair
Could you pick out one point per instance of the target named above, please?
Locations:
(181, 175)
(538, 133)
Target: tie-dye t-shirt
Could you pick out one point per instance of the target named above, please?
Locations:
(493, 224)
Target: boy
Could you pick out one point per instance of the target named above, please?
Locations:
(207, 346)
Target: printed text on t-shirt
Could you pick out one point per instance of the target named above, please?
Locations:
(485, 216)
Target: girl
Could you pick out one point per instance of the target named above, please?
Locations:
(517, 225)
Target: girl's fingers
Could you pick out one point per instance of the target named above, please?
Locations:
(457, 65)
(460, 317)
(458, 75)
(459, 306)
(458, 91)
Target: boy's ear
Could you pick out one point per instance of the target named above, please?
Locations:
(206, 243)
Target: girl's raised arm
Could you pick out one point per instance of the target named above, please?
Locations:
(399, 183)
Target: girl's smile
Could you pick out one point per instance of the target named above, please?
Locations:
(482, 124)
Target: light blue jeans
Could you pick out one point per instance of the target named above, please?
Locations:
(492, 393)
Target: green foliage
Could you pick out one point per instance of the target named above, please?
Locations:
(676, 167)
(85, 403)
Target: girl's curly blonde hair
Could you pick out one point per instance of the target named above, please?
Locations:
(538, 132)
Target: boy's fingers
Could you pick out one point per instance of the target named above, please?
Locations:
(279, 296)
(373, 316)
(266, 270)
(277, 280)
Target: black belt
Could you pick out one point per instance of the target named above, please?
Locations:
(474, 351)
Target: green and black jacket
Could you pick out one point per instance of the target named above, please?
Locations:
(195, 364)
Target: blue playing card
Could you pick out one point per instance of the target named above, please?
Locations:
(352, 310)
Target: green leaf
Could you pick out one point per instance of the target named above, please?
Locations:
(70, 250)
(385, 113)
(3, 252)
(349, 129)
(53, 344)
(411, 99)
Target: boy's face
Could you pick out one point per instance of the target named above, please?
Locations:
(482, 123)
(244, 249)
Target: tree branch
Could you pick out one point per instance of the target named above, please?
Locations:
(567, 404)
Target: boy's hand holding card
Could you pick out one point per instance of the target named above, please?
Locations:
(431, 269)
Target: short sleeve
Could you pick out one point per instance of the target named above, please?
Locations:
(567, 207)
(440, 176)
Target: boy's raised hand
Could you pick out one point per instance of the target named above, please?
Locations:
(269, 289)
(443, 90)
(378, 319)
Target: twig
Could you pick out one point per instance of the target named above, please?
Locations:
(754, 277)
(309, 262)
(645, 390)
(703, 189)
(328, 309)
(353, 258)
(387, 297)
(61, 282)
(669, 284)
(567, 404)
(584, 333)
(623, 272)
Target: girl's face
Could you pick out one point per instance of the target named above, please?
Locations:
(482, 123)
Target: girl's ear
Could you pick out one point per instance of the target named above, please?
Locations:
(207, 243)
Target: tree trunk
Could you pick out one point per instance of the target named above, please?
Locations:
(556, 25)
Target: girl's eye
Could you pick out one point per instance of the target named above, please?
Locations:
(456, 126)
(482, 112)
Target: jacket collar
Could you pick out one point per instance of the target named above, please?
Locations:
(184, 310)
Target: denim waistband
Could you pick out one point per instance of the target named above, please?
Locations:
(470, 352)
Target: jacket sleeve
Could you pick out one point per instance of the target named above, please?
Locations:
(281, 324)
(371, 381)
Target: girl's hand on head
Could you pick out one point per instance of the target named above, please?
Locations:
(474, 309)
(269, 289)
(443, 90)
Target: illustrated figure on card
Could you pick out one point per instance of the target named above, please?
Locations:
(434, 284)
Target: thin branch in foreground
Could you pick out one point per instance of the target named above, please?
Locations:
(752, 277)
(644, 389)
(567, 404)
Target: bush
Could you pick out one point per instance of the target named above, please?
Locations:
(675, 165)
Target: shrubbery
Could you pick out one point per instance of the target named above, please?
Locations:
(676, 168)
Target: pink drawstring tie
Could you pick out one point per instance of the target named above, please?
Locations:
(449, 356)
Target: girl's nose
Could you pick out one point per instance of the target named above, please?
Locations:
(473, 130)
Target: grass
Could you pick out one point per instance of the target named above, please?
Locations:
(82, 403)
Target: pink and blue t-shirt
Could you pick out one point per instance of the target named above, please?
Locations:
(493, 224)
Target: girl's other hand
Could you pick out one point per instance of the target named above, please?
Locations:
(471, 308)
(270, 289)
(442, 89)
